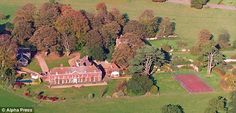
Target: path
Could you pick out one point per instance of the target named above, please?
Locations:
(42, 63)
(213, 6)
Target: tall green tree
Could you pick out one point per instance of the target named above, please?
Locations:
(146, 61)
(211, 57)
(139, 85)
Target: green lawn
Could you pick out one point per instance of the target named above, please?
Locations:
(10, 99)
(171, 92)
(34, 66)
(57, 62)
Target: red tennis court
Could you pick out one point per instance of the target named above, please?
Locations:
(193, 84)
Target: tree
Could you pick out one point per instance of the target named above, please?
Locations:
(125, 50)
(24, 23)
(7, 59)
(72, 22)
(233, 102)
(166, 28)
(224, 39)
(47, 14)
(45, 39)
(68, 42)
(103, 16)
(150, 22)
(139, 85)
(94, 46)
(205, 38)
(72, 25)
(211, 57)
(217, 105)
(146, 61)
(171, 108)
(198, 4)
(23, 31)
(118, 17)
(135, 27)
(146, 15)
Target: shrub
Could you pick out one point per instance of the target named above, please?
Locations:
(2, 16)
(219, 71)
(139, 85)
(170, 108)
(154, 89)
(166, 47)
(159, 0)
(198, 4)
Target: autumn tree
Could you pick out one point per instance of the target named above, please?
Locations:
(126, 47)
(121, 19)
(150, 22)
(171, 108)
(24, 23)
(135, 27)
(47, 14)
(45, 39)
(211, 57)
(72, 25)
(166, 28)
(146, 16)
(102, 14)
(7, 59)
(224, 39)
(146, 61)
(204, 37)
(217, 105)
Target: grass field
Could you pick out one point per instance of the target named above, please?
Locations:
(10, 99)
(188, 23)
(34, 66)
(77, 101)
(57, 62)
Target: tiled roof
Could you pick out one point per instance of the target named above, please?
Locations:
(71, 70)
